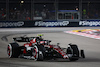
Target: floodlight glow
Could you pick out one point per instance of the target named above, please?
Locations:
(22, 1)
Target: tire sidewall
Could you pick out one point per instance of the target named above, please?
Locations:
(14, 49)
(75, 52)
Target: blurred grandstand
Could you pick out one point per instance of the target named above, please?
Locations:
(12, 10)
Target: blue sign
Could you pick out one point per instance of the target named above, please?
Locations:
(90, 23)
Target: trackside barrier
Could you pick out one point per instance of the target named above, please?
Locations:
(89, 23)
(20, 24)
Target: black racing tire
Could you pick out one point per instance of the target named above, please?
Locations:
(41, 52)
(82, 54)
(40, 56)
(75, 53)
(13, 50)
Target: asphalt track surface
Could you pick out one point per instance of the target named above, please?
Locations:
(91, 47)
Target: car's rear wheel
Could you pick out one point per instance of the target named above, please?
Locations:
(13, 50)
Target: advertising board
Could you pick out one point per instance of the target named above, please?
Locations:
(19, 24)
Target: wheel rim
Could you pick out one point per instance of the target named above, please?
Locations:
(9, 51)
(35, 53)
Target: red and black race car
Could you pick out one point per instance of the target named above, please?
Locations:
(39, 49)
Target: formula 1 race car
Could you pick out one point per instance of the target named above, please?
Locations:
(39, 49)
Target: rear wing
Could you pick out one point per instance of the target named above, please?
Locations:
(23, 39)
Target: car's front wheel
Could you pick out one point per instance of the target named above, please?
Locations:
(40, 56)
(74, 52)
(37, 54)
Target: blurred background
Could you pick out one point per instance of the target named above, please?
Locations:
(16, 10)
